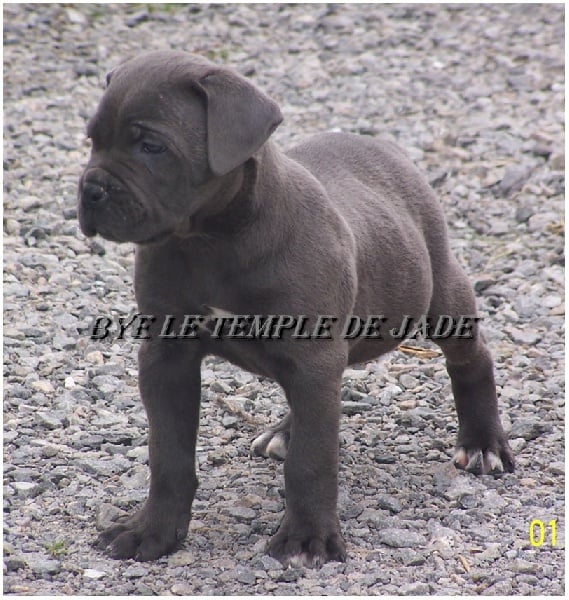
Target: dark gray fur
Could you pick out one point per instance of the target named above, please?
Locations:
(181, 165)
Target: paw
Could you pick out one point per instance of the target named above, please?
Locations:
(144, 536)
(271, 444)
(483, 462)
(307, 550)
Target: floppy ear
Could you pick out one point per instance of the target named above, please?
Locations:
(240, 118)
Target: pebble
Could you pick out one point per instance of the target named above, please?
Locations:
(401, 538)
(408, 381)
(94, 574)
(13, 563)
(528, 336)
(528, 429)
(354, 408)
(514, 179)
(389, 503)
(241, 513)
(43, 566)
(483, 119)
(43, 386)
(539, 221)
(183, 589)
(135, 571)
(414, 589)
(26, 489)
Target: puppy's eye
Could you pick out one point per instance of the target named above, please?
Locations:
(150, 148)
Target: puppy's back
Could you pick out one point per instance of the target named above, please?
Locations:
(371, 180)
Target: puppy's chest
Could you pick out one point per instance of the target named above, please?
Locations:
(198, 288)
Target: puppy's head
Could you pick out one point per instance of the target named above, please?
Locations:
(170, 134)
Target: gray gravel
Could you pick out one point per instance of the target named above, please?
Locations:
(475, 94)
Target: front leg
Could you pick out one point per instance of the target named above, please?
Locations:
(309, 533)
(169, 381)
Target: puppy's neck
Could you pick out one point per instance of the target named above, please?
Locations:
(231, 204)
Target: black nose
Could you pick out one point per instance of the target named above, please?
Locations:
(93, 193)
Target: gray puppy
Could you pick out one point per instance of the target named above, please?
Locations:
(341, 225)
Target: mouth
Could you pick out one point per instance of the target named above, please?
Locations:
(86, 225)
(92, 227)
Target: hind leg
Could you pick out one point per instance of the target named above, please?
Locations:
(273, 443)
(482, 446)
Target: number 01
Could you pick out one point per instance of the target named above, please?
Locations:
(537, 540)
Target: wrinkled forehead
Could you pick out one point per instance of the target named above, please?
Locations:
(154, 87)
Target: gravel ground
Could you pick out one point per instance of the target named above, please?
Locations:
(475, 93)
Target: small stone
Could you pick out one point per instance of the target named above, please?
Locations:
(221, 387)
(551, 301)
(355, 374)
(137, 18)
(95, 357)
(10, 436)
(44, 566)
(240, 513)
(528, 429)
(230, 422)
(76, 17)
(478, 575)
(541, 220)
(13, 563)
(414, 589)
(354, 408)
(44, 386)
(289, 575)
(86, 69)
(26, 489)
(524, 212)
(389, 503)
(106, 516)
(135, 478)
(387, 394)
(408, 382)
(384, 459)
(135, 571)
(183, 589)
(492, 552)
(374, 517)
(53, 420)
(268, 563)
(401, 538)
(468, 501)
(514, 179)
(557, 468)
(246, 577)
(524, 566)
(93, 574)
(19, 589)
(408, 404)
(525, 306)
(411, 558)
(181, 558)
(49, 451)
(500, 588)
(12, 227)
(500, 227)
(139, 453)
(557, 161)
(528, 336)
